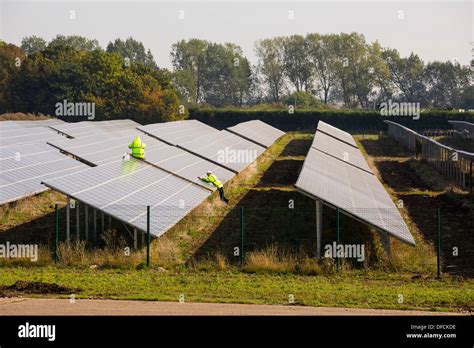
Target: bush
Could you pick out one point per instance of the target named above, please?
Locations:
(350, 120)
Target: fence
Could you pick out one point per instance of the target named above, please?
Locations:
(454, 165)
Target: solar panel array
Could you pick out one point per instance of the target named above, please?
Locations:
(340, 150)
(28, 124)
(98, 150)
(121, 188)
(336, 133)
(88, 128)
(167, 180)
(178, 132)
(464, 126)
(257, 131)
(23, 167)
(327, 177)
(220, 147)
(15, 135)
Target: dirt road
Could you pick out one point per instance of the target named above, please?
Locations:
(36, 306)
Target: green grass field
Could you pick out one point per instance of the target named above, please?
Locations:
(349, 289)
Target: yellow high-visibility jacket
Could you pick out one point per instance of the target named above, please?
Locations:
(138, 148)
(213, 180)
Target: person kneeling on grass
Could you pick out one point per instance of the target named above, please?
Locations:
(212, 179)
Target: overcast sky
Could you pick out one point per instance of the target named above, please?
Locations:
(435, 30)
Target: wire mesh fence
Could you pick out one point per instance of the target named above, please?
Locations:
(265, 238)
(455, 165)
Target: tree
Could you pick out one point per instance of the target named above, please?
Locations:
(76, 42)
(217, 74)
(32, 44)
(11, 59)
(298, 68)
(446, 84)
(406, 74)
(271, 65)
(303, 100)
(227, 76)
(62, 72)
(133, 50)
(323, 56)
(188, 59)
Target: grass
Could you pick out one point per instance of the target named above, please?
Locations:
(356, 289)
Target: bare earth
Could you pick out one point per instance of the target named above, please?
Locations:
(37, 306)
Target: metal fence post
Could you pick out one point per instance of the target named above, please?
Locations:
(338, 225)
(148, 236)
(242, 253)
(68, 223)
(438, 242)
(470, 181)
(56, 238)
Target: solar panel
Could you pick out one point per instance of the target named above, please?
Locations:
(88, 128)
(356, 192)
(23, 167)
(186, 164)
(225, 149)
(101, 150)
(4, 125)
(257, 131)
(340, 150)
(177, 132)
(18, 136)
(463, 126)
(123, 189)
(336, 133)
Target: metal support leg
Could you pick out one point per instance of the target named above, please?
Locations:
(385, 238)
(95, 224)
(319, 225)
(68, 222)
(86, 207)
(103, 222)
(78, 235)
(135, 239)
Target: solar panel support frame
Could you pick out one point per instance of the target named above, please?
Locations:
(209, 160)
(246, 138)
(307, 194)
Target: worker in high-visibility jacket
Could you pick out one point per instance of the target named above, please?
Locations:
(138, 148)
(212, 179)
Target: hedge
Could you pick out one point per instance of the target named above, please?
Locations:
(350, 120)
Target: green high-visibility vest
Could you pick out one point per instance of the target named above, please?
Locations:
(213, 180)
(138, 148)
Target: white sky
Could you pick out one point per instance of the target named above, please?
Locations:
(435, 30)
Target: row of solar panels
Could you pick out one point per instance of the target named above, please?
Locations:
(167, 181)
(336, 173)
(464, 126)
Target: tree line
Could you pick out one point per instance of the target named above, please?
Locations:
(341, 69)
(312, 71)
(122, 81)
